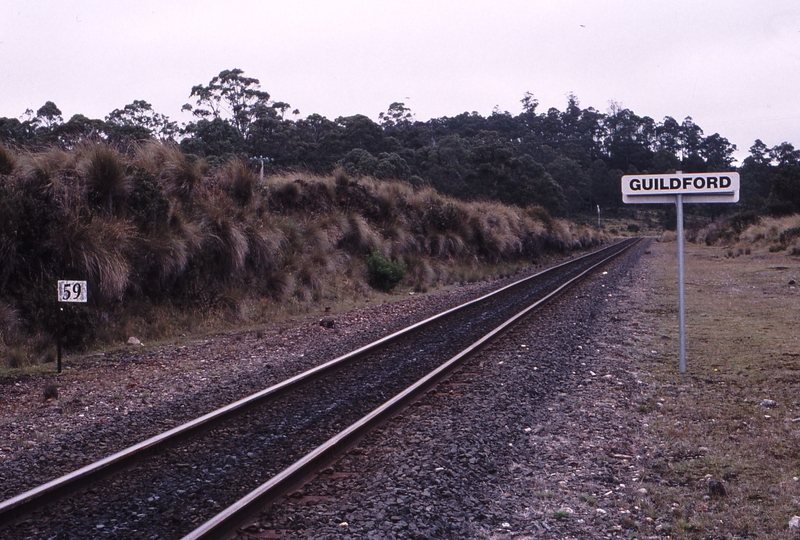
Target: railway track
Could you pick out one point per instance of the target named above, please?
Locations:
(201, 479)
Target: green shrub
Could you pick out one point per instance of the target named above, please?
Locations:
(633, 227)
(789, 234)
(17, 358)
(384, 274)
(742, 220)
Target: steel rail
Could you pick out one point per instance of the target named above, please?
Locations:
(224, 524)
(34, 498)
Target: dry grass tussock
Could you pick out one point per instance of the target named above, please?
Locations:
(180, 175)
(9, 322)
(98, 250)
(240, 181)
(360, 237)
(749, 232)
(41, 166)
(784, 231)
(8, 160)
(225, 240)
(165, 241)
(105, 175)
(669, 236)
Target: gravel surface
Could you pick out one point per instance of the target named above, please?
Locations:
(538, 437)
(444, 475)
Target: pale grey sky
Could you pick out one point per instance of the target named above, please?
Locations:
(730, 64)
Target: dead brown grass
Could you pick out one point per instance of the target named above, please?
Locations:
(98, 251)
(713, 423)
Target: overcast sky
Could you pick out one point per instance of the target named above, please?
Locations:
(730, 64)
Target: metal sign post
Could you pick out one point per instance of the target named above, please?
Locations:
(68, 291)
(713, 187)
(681, 304)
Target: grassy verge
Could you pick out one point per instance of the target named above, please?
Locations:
(728, 458)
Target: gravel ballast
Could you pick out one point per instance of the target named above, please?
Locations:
(536, 438)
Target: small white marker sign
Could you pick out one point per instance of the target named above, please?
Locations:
(71, 291)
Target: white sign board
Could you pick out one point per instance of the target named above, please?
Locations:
(713, 187)
(71, 291)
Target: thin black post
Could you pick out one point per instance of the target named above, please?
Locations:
(58, 337)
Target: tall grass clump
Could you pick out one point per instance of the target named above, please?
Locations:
(9, 324)
(421, 273)
(359, 236)
(770, 229)
(240, 181)
(182, 175)
(164, 256)
(495, 230)
(264, 245)
(105, 175)
(8, 160)
(41, 169)
(97, 251)
(226, 243)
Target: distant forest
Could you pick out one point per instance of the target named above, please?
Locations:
(567, 161)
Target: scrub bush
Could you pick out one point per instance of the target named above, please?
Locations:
(383, 273)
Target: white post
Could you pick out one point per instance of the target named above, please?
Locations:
(681, 315)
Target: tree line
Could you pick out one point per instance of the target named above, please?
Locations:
(566, 161)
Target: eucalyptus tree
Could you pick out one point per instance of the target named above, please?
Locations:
(232, 97)
(48, 116)
(717, 151)
(138, 121)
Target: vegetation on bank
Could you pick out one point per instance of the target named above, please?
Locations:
(164, 239)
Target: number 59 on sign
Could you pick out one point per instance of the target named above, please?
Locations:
(71, 291)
